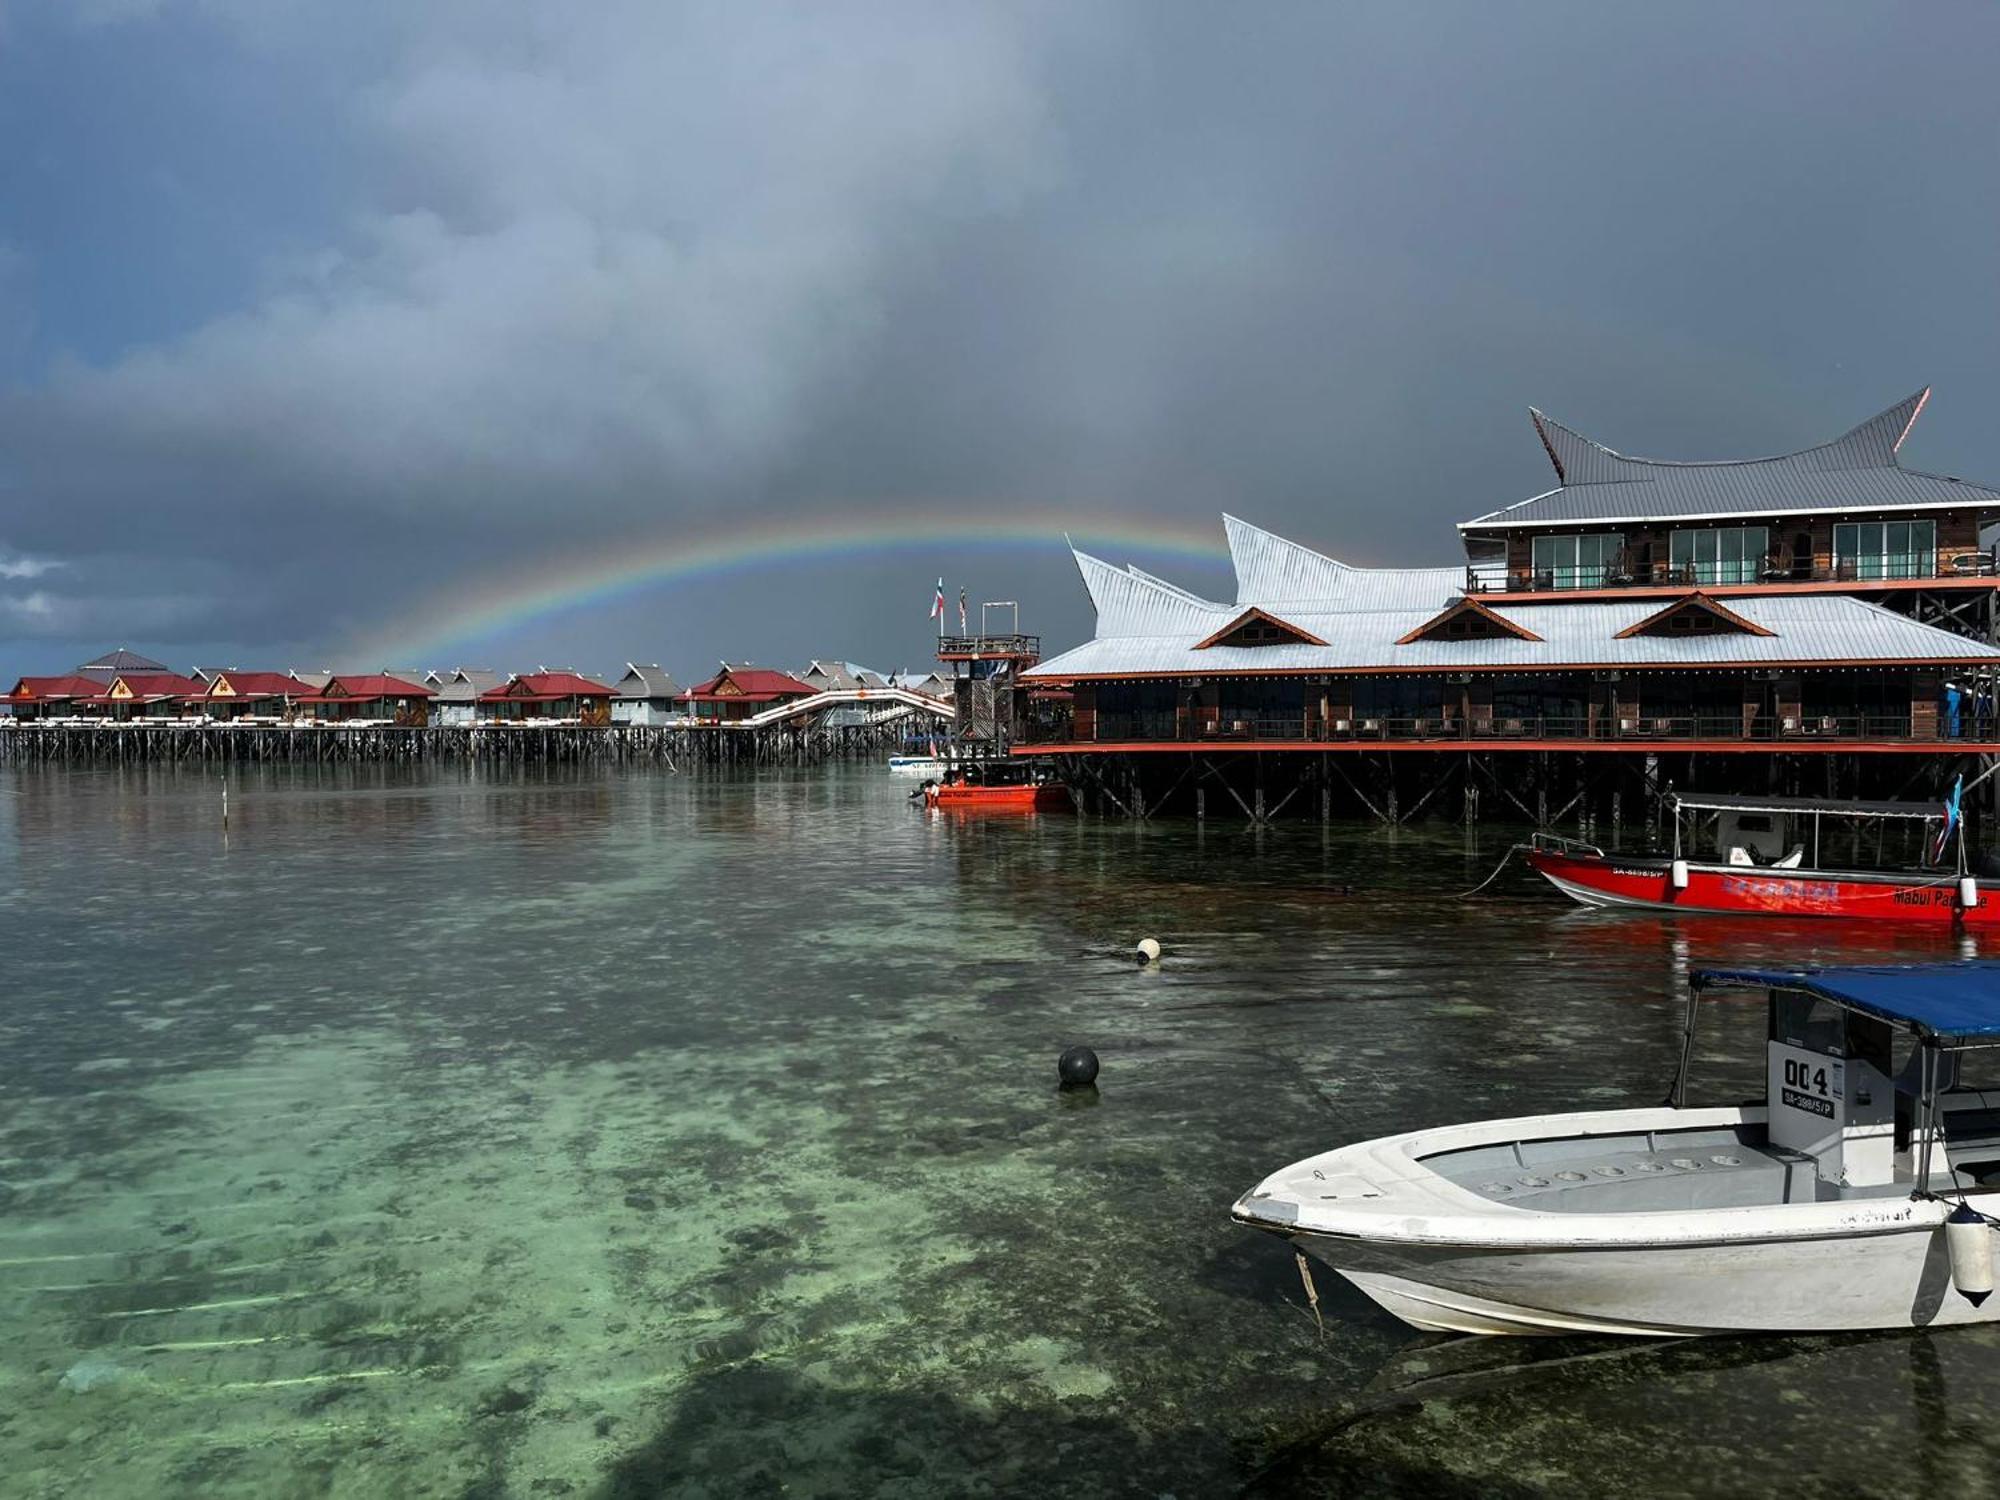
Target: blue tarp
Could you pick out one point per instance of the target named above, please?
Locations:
(1955, 999)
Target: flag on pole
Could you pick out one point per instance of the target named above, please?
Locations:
(937, 606)
(1950, 823)
(961, 611)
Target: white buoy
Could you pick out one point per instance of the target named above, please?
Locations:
(1968, 1245)
(1680, 874)
(1968, 892)
(1149, 950)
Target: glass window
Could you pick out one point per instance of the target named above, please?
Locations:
(1577, 562)
(1727, 554)
(1885, 549)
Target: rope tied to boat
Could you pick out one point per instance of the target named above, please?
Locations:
(1512, 850)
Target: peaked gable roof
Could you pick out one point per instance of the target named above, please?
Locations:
(1857, 470)
(62, 685)
(1695, 603)
(464, 684)
(229, 684)
(549, 685)
(750, 682)
(127, 685)
(1274, 631)
(1438, 626)
(647, 680)
(373, 685)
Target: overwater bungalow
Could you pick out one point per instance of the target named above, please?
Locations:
(231, 694)
(740, 690)
(646, 694)
(370, 697)
(547, 695)
(149, 695)
(62, 696)
(1827, 601)
(459, 692)
(834, 676)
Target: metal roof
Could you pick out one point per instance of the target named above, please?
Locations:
(1856, 471)
(1805, 630)
(121, 660)
(646, 681)
(466, 684)
(1944, 1000)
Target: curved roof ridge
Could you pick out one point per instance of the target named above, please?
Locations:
(1870, 444)
(1171, 587)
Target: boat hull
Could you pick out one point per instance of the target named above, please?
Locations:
(1815, 1285)
(1762, 890)
(1704, 1252)
(1042, 797)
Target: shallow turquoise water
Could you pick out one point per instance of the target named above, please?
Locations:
(437, 1134)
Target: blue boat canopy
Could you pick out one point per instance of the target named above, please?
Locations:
(1945, 1000)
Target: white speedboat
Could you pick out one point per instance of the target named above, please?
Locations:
(918, 765)
(1855, 1196)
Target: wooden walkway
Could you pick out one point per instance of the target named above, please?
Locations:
(796, 742)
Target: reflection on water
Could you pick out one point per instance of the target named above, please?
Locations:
(439, 1133)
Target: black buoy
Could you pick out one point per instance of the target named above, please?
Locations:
(1077, 1067)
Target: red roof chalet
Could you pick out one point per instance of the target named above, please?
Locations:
(58, 689)
(749, 685)
(371, 695)
(739, 692)
(151, 687)
(342, 689)
(546, 687)
(256, 685)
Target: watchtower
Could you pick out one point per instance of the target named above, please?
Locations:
(990, 699)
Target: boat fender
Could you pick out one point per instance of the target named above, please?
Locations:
(1968, 892)
(1968, 1243)
(1077, 1068)
(1148, 951)
(1679, 875)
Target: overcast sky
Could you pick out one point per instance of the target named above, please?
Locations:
(313, 310)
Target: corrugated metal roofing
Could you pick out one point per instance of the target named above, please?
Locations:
(1279, 575)
(1856, 471)
(647, 680)
(548, 685)
(111, 663)
(1805, 630)
(255, 684)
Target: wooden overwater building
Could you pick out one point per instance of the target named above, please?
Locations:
(1821, 622)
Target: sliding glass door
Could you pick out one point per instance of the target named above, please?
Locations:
(1885, 549)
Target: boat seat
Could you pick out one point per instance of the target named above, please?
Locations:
(1738, 855)
(1793, 860)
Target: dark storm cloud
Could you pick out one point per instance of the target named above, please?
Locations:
(370, 298)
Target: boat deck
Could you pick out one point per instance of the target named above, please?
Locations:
(1730, 1166)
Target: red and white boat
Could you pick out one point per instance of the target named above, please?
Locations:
(1783, 857)
(998, 787)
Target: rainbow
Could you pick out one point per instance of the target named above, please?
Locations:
(456, 617)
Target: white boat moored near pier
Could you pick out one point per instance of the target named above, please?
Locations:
(1855, 1197)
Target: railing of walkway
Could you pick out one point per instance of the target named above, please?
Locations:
(1151, 728)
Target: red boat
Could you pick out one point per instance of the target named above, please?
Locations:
(1780, 856)
(1002, 787)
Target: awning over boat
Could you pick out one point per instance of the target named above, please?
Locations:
(1945, 1000)
(1696, 802)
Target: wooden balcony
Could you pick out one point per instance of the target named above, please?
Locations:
(1666, 728)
